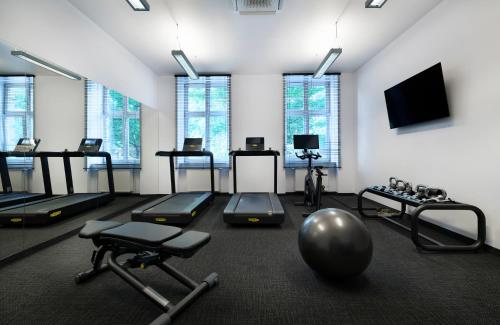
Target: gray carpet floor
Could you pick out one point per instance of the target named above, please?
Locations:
(263, 280)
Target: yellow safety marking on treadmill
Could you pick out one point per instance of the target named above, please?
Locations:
(16, 219)
(254, 145)
(193, 213)
(160, 219)
(253, 219)
(55, 213)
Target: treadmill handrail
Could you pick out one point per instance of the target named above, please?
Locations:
(181, 153)
(67, 166)
(253, 153)
(4, 169)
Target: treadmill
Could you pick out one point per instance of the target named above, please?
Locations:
(53, 209)
(255, 208)
(178, 208)
(26, 147)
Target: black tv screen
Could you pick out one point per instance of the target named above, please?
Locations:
(418, 99)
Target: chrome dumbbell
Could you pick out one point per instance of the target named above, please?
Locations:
(420, 191)
(437, 194)
(392, 182)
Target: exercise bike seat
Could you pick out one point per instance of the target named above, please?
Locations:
(151, 237)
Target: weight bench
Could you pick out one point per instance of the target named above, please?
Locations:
(152, 244)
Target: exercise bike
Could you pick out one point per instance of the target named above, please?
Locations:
(312, 192)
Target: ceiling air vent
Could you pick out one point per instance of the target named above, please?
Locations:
(257, 7)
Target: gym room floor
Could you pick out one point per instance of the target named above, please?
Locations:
(263, 280)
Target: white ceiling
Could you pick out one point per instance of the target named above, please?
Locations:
(216, 39)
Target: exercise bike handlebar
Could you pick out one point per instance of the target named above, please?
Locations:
(308, 154)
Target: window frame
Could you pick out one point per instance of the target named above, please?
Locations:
(28, 120)
(307, 114)
(207, 114)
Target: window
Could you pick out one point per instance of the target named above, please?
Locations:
(312, 107)
(203, 111)
(117, 120)
(16, 115)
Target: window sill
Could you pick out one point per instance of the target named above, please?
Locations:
(115, 167)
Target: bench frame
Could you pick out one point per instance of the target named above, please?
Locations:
(145, 257)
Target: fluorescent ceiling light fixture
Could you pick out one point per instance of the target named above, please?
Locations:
(46, 65)
(332, 55)
(183, 61)
(139, 5)
(374, 3)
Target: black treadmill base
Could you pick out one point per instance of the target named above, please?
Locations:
(179, 219)
(20, 199)
(18, 219)
(254, 219)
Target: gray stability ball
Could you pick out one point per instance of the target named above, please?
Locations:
(335, 243)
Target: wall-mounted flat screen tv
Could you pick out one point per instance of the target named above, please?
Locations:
(418, 99)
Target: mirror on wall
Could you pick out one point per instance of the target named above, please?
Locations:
(57, 134)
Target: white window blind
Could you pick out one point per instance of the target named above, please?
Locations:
(203, 111)
(116, 119)
(16, 116)
(311, 106)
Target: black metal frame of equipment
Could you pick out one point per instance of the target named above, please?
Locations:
(420, 208)
(176, 153)
(7, 184)
(145, 256)
(45, 216)
(148, 213)
(271, 217)
(248, 153)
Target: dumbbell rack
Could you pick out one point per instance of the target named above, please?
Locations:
(421, 206)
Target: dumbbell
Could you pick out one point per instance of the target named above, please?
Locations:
(401, 185)
(420, 191)
(435, 193)
(392, 182)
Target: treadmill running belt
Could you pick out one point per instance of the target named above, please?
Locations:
(181, 202)
(56, 203)
(258, 203)
(254, 208)
(18, 196)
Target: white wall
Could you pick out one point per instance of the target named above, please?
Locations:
(460, 154)
(56, 31)
(257, 110)
(60, 124)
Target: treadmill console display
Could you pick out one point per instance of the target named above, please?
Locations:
(192, 144)
(255, 144)
(90, 145)
(306, 141)
(27, 145)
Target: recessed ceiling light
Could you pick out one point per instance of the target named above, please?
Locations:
(374, 3)
(139, 5)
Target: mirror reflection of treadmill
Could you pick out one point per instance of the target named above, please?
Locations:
(56, 208)
(25, 148)
(178, 208)
(254, 208)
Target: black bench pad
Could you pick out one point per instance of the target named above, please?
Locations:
(186, 244)
(93, 228)
(142, 232)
